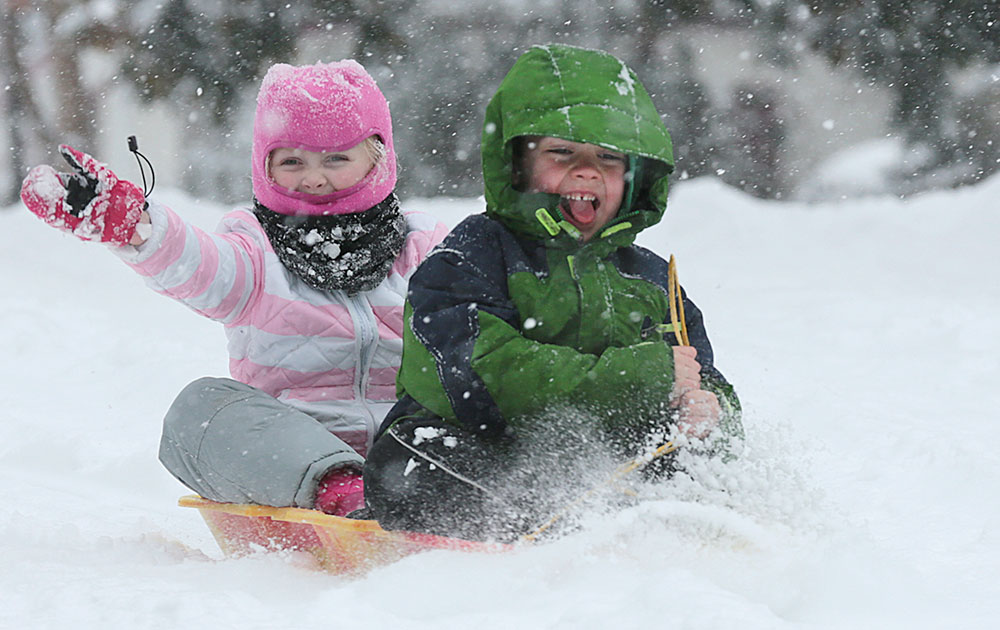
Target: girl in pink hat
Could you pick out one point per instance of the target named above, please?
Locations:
(309, 284)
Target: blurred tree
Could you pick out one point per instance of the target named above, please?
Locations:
(439, 62)
(203, 58)
(755, 143)
(692, 119)
(978, 130)
(21, 114)
(913, 47)
(43, 49)
(741, 141)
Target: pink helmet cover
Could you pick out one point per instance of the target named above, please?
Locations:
(322, 107)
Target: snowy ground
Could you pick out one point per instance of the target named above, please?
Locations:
(862, 337)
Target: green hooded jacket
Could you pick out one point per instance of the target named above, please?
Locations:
(512, 316)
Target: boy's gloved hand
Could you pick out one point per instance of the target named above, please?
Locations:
(687, 371)
(91, 202)
(340, 492)
(699, 410)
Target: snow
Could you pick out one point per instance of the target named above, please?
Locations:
(863, 169)
(861, 336)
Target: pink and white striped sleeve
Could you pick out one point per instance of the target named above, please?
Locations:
(216, 275)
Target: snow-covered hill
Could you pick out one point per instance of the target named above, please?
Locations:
(862, 337)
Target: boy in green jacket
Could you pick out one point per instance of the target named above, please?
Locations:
(536, 330)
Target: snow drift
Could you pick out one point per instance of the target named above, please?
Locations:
(861, 337)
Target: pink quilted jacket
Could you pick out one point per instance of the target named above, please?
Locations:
(332, 356)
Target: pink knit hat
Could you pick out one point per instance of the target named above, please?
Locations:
(325, 107)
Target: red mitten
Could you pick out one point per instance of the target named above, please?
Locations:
(90, 203)
(340, 492)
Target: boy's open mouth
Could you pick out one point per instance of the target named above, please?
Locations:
(579, 208)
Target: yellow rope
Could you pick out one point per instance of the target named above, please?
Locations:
(676, 304)
(680, 332)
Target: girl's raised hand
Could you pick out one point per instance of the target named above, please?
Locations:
(90, 202)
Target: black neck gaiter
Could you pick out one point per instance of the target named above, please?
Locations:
(346, 252)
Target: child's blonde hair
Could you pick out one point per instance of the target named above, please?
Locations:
(375, 148)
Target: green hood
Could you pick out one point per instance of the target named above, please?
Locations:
(584, 96)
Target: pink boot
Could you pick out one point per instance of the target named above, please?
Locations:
(340, 492)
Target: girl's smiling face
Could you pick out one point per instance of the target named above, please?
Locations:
(589, 178)
(319, 173)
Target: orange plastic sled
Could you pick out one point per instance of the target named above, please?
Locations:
(341, 545)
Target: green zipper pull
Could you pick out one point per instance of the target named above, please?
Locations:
(547, 221)
(570, 229)
(553, 227)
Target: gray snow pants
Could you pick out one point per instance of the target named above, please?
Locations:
(233, 443)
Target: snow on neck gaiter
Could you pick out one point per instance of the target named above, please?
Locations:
(346, 252)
